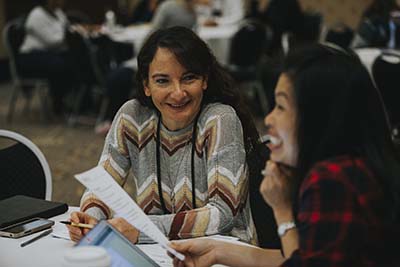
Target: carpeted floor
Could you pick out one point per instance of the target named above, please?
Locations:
(69, 150)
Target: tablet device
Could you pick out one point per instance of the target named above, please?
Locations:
(123, 253)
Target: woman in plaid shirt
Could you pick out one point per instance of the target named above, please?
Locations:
(333, 178)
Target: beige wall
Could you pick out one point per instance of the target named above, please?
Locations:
(348, 12)
(2, 22)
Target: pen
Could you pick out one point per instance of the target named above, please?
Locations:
(36, 237)
(82, 225)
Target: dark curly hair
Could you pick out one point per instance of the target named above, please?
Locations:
(194, 54)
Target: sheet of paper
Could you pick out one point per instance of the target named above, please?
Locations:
(157, 254)
(100, 182)
(60, 231)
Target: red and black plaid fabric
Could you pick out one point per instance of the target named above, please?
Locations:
(338, 221)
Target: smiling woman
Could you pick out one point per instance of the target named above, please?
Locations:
(333, 177)
(176, 92)
(189, 141)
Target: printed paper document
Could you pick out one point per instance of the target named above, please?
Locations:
(101, 183)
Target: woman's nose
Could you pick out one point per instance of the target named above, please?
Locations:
(268, 120)
(178, 91)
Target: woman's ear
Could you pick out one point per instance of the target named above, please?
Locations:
(146, 88)
(204, 85)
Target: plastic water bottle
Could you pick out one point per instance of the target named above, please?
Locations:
(110, 20)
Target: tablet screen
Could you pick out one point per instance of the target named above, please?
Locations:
(122, 251)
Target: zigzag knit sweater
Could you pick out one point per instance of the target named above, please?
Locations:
(221, 173)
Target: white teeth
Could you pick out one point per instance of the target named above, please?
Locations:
(265, 139)
(178, 106)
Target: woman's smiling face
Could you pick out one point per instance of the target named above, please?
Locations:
(176, 92)
(281, 123)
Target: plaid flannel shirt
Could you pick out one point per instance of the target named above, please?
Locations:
(337, 221)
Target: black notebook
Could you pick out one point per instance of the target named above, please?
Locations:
(20, 208)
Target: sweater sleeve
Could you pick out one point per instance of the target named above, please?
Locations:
(116, 161)
(227, 179)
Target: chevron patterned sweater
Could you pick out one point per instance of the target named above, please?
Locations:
(221, 174)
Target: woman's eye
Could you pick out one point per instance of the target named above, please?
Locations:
(161, 81)
(189, 77)
(279, 107)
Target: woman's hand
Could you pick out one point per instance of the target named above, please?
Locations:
(198, 253)
(76, 233)
(276, 188)
(125, 228)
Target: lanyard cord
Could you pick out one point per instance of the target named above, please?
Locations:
(158, 144)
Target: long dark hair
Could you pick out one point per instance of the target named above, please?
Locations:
(340, 112)
(194, 54)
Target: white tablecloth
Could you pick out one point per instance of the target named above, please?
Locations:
(49, 251)
(218, 38)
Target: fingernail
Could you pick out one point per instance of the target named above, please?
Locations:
(263, 172)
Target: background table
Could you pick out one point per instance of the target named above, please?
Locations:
(218, 38)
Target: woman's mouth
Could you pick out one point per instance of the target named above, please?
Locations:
(178, 106)
(269, 139)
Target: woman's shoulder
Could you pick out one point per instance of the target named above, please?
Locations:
(133, 110)
(219, 115)
(343, 169)
(218, 109)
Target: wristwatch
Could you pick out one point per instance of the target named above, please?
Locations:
(284, 227)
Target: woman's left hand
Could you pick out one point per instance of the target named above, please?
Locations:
(276, 187)
(125, 228)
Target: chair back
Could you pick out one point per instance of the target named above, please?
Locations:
(92, 55)
(248, 44)
(385, 71)
(24, 169)
(342, 37)
(13, 36)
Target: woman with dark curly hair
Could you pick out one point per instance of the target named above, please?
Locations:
(188, 139)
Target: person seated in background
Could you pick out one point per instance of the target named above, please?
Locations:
(120, 87)
(286, 17)
(175, 13)
(333, 175)
(43, 53)
(220, 12)
(380, 26)
(189, 141)
(144, 11)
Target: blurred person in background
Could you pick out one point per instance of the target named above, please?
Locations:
(220, 12)
(43, 53)
(144, 11)
(380, 26)
(175, 13)
(283, 16)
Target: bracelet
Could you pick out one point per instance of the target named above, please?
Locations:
(284, 227)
